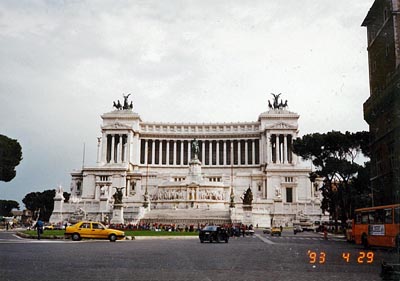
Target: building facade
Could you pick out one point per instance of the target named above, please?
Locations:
(382, 109)
(194, 173)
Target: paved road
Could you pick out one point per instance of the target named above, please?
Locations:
(260, 257)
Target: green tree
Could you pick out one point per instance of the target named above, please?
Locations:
(6, 206)
(10, 157)
(42, 203)
(361, 194)
(334, 156)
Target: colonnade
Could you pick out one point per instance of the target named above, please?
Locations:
(218, 152)
(279, 148)
(115, 148)
(211, 152)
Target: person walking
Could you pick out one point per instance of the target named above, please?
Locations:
(39, 228)
(325, 233)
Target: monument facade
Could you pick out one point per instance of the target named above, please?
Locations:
(194, 173)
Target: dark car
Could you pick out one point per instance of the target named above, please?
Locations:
(213, 233)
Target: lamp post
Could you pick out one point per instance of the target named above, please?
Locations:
(232, 195)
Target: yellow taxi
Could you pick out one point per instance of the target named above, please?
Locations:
(95, 230)
(49, 227)
(276, 231)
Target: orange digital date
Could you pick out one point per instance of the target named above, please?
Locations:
(320, 257)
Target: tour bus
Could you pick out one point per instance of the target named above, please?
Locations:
(377, 226)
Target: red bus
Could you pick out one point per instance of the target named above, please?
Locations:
(377, 226)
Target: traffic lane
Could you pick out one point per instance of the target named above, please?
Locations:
(246, 258)
(8, 235)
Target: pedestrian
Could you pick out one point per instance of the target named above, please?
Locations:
(39, 228)
(7, 224)
(325, 233)
(281, 228)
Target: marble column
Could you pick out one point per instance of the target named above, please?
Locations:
(246, 152)
(174, 154)
(239, 152)
(146, 152)
(160, 152)
(181, 158)
(124, 147)
(189, 145)
(277, 148)
(253, 152)
(285, 149)
(119, 148)
(128, 147)
(167, 152)
(203, 152)
(224, 152)
(210, 153)
(153, 151)
(217, 153)
(112, 158)
(269, 149)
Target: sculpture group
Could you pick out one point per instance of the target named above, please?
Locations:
(118, 105)
(276, 104)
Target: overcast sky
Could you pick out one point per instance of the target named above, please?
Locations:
(63, 63)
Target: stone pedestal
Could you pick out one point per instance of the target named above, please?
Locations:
(118, 214)
(57, 216)
(195, 171)
(247, 214)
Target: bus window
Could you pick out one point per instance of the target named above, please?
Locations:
(371, 216)
(397, 215)
(364, 218)
(358, 218)
(379, 216)
(388, 216)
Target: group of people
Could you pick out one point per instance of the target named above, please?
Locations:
(233, 229)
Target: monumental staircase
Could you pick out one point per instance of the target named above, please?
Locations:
(186, 216)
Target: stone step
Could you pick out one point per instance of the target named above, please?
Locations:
(171, 213)
(187, 217)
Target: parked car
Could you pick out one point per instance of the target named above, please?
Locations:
(49, 227)
(59, 227)
(267, 230)
(276, 231)
(213, 233)
(297, 228)
(96, 230)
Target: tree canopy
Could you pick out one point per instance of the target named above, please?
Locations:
(10, 157)
(42, 203)
(6, 206)
(334, 156)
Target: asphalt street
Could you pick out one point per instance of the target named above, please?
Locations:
(305, 256)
